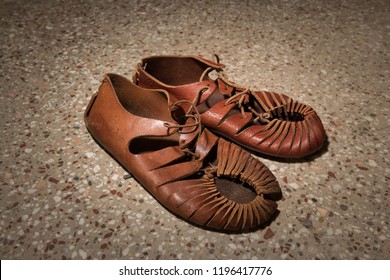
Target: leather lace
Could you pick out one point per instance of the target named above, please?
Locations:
(192, 113)
(238, 96)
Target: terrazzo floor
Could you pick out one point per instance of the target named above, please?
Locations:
(63, 197)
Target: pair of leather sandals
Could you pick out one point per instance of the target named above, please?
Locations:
(184, 136)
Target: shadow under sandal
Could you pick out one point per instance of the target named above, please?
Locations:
(266, 122)
(200, 177)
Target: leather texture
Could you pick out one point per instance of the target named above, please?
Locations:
(266, 122)
(200, 177)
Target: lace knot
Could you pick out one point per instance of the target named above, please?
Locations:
(192, 113)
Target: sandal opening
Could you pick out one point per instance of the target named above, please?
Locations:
(281, 114)
(235, 190)
(175, 71)
(142, 145)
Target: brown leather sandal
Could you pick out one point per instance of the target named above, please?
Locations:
(200, 177)
(265, 122)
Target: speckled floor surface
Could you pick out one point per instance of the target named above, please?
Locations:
(63, 197)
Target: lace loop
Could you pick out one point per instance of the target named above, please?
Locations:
(192, 113)
(209, 172)
(191, 153)
(237, 97)
(263, 117)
